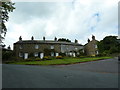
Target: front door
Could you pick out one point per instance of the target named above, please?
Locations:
(41, 55)
(57, 54)
(73, 54)
(25, 55)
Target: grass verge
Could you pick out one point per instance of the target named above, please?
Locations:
(64, 61)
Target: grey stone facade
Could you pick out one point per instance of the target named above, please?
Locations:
(91, 48)
(40, 48)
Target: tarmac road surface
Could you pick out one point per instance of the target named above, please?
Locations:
(96, 74)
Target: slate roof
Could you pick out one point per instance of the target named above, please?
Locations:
(46, 42)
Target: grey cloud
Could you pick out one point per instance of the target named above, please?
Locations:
(68, 20)
(28, 10)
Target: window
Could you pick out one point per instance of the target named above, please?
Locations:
(36, 46)
(95, 46)
(97, 52)
(20, 47)
(76, 49)
(52, 47)
(83, 51)
(52, 53)
(36, 54)
(20, 54)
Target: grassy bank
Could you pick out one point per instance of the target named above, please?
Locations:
(69, 60)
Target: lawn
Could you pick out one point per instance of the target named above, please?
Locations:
(69, 60)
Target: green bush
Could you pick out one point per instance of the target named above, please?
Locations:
(62, 54)
(38, 59)
(47, 58)
(31, 55)
(99, 55)
(59, 57)
(18, 59)
(7, 55)
(30, 59)
(83, 56)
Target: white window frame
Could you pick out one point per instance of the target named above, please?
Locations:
(52, 53)
(36, 46)
(36, 54)
(20, 54)
(52, 47)
(76, 49)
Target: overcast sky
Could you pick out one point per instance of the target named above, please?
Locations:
(72, 20)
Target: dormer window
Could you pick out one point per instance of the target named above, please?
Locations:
(52, 47)
(36, 46)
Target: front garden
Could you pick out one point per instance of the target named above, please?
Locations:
(56, 60)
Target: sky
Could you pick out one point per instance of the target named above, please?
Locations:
(76, 19)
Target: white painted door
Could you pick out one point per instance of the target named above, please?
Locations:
(70, 54)
(25, 55)
(57, 54)
(41, 55)
(73, 54)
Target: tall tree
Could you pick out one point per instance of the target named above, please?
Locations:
(109, 44)
(5, 8)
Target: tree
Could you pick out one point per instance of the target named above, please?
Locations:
(64, 40)
(109, 45)
(5, 9)
(7, 55)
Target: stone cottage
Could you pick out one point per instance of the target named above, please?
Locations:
(41, 48)
(91, 48)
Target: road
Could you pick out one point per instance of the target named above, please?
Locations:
(97, 74)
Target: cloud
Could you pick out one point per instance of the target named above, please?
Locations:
(74, 20)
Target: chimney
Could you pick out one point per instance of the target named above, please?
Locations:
(43, 38)
(93, 37)
(88, 40)
(32, 38)
(20, 38)
(76, 41)
(9, 48)
(55, 39)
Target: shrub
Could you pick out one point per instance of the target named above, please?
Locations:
(7, 55)
(18, 58)
(82, 56)
(30, 59)
(31, 55)
(47, 58)
(100, 55)
(37, 59)
(59, 57)
(62, 54)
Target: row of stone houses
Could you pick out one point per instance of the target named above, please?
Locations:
(41, 48)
